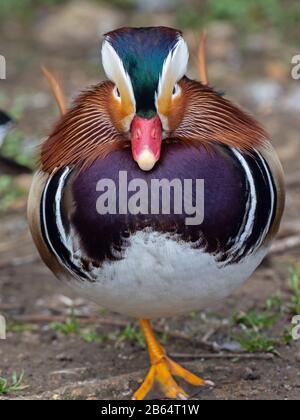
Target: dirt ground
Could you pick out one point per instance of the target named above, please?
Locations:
(103, 357)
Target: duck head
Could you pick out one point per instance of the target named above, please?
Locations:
(146, 66)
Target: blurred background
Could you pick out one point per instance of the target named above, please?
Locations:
(54, 337)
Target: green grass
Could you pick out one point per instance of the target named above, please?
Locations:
(12, 385)
(253, 13)
(120, 4)
(13, 147)
(70, 326)
(91, 335)
(255, 320)
(254, 341)
(24, 9)
(27, 10)
(131, 333)
(246, 15)
(275, 303)
(254, 330)
(287, 336)
(19, 327)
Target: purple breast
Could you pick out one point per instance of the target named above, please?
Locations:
(223, 199)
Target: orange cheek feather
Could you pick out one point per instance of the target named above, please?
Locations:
(122, 113)
(171, 109)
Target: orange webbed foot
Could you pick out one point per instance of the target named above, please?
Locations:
(162, 371)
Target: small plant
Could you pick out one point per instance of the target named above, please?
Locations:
(13, 147)
(19, 327)
(14, 385)
(287, 336)
(294, 284)
(274, 303)
(254, 341)
(255, 320)
(194, 315)
(253, 325)
(70, 326)
(92, 336)
(133, 334)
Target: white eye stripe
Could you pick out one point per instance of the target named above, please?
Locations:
(114, 68)
(175, 65)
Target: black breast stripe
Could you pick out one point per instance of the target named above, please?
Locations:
(50, 215)
(273, 191)
(266, 194)
(261, 180)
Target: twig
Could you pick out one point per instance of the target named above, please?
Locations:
(202, 59)
(10, 167)
(208, 335)
(19, 261)
(88, 320)
(8, 246)
(244, 356)
(286, 244)
(56, 89)
(9, 306)
(46, 319)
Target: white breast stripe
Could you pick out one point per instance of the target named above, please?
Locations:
(272, 192)
(243, 236)
(58, 197)
(68, 241)
(49, 243)
(58, 218)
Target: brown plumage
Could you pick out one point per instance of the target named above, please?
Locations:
(86, 133)
(210, 118)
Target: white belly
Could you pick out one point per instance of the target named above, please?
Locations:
(159, 277)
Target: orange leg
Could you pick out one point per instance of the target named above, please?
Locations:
(162, 370)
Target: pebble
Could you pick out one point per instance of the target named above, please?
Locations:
(63, 357)
(250, 375)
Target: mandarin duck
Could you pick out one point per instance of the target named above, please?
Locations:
(151, 122)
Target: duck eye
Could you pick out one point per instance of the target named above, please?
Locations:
(117, 93)
(176, 90)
